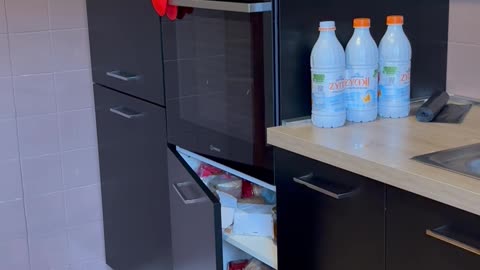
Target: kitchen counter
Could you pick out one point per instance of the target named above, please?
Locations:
(382, 151)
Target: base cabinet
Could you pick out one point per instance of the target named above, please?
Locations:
(327, 218)
(424, 234)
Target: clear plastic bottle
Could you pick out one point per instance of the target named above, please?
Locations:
(362, 74)
(328, 79)
(395, 63)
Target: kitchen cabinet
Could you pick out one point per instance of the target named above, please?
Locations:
(133, 166)
(328, 218)
(424, 234)
(126, 47)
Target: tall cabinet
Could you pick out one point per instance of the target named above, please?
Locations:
(127, 68)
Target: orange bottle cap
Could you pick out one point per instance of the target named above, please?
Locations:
(395, 20)
(361, 23)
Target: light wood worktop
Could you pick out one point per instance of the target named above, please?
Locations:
(382, 151)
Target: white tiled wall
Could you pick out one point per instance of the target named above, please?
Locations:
(50, 201)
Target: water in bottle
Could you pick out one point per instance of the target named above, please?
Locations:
(362, 74)
(328, 79)
(395, 62)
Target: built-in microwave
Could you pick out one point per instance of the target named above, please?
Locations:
(219, 82)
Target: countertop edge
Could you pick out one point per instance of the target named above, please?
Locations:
(430, 188)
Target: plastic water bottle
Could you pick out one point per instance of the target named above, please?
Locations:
(362, 74)
(328, 79)
(395, 62)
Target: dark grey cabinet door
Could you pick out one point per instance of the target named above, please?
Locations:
(410, 216)
(195, 217)
(133, 165)
(327, 218)
(126, 47)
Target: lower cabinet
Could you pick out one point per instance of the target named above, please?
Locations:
(133, 166)
(327, 218)
(424, 234)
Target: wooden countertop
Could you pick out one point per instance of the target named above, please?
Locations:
(382, 151)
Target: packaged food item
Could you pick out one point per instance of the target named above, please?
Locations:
(247, 190)
(255, 264)
(226, 183)
(238, 265)
(206, 170)
(253, 220)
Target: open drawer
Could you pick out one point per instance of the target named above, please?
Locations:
(198, 239)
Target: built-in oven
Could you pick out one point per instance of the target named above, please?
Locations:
(219, 82)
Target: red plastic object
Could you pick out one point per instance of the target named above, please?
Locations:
(237, 265)
(160, 6)
(172, 12)
(247, 190)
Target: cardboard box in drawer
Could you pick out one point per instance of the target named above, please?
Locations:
(254, 220)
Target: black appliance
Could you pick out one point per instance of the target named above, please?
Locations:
(219, 82)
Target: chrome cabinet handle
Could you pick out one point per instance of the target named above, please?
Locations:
(456, 238)
(126, 113)
(179, 186)
(326, 188)
(124, 76)
(224, 5)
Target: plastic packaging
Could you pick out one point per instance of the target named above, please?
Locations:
(327, 63)
(257, 265)
(361, 91)
(395, 54)
(225, 183)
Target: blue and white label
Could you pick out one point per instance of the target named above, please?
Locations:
(361, 89)
(328, 91)
(394, 87)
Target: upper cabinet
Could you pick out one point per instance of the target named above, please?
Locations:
(126, 47)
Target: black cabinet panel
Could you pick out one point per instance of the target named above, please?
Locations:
(327, 218)
(126, 47)
(133, 164)
(409, 216)
(196, 223)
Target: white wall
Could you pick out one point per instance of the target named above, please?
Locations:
(50, 201)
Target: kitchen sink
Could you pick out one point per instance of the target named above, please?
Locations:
(464, 160)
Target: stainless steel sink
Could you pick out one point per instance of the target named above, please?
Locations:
(464, 160)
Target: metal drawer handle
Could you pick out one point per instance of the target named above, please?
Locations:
(179, 186)
(224, 5)
(456, 238)
(126, 113)
(327, 188)
(124, 76)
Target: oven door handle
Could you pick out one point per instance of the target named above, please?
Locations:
(224, 5)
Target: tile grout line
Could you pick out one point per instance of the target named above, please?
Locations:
(29, 264)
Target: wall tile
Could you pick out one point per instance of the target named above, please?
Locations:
(34, 94)
(45, 214)
(83, 205)
(42, 175)
(49, 251)
(8, 143)
(71, 49)
(66, 14)
(86, 242)
(80, 168)
(462, 69)
(11, 181)
(27, 15)
(7, 102)
(38, 135)
(463, 22)
(5, 68)
(14, 255)
(74, 90)
(13, 221)
(31, 53)
(77, 129)
(3, 18)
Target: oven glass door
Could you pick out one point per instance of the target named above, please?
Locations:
(218, 79)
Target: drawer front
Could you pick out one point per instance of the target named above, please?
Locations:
(126, 47)
(327, 218)
(424, 234)
(133, 166)
(195, 219)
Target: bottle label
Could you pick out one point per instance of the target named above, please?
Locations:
(361, 89)
(328, 91)
(394, 87)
